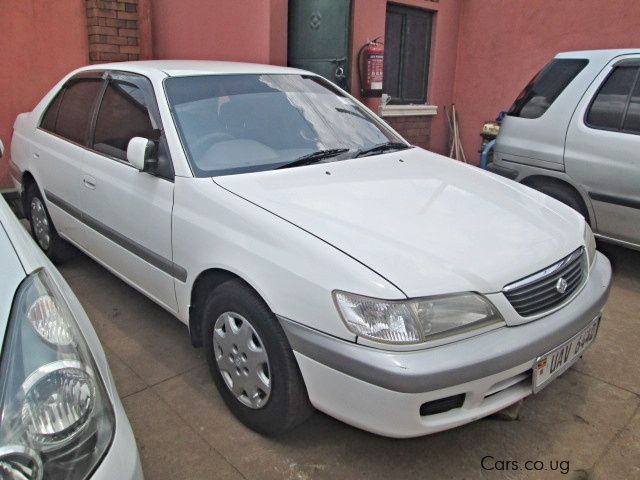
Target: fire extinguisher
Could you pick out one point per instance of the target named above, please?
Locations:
(371, 68)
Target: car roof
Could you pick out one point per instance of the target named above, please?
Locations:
(597, 54)
(179, 68)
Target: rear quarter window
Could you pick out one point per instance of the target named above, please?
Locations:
(546, 87)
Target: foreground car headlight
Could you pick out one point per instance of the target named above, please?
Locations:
(590, 244)
(56, 418)
(415, 321)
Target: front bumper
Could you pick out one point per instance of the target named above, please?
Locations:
(382, 391)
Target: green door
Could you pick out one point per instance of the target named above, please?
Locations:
(320, 38)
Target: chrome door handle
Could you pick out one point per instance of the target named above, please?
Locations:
(89, 182)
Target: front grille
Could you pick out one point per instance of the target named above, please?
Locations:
(544, 290)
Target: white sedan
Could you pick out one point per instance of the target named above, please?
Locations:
(61, 416)
(319, 259)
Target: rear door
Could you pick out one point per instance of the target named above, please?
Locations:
(128, 213)
(60, 149)
(602, 149)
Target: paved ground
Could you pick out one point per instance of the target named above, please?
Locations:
(589, 418)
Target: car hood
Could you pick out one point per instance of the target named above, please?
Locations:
(428, 224)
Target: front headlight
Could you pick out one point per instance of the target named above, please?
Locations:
(56, 418)
(589, 243)
(414, 321)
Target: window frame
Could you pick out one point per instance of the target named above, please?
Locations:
(627, 63)
(406, 10)
(106, 76)
(97, 75)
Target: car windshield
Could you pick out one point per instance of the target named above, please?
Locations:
(233, 124)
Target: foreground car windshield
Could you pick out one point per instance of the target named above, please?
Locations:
(246, 123)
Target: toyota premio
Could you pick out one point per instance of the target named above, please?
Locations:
(319, 259)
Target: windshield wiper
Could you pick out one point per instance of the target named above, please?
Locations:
(381, 147)
(314, 157)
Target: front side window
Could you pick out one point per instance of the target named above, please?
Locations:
(245, 123)
(74, 105)
(123, 115)
(407, 47)
(546, 87)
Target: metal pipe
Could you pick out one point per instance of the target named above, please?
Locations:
(484, 158)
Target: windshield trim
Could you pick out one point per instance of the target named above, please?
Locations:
(379, 122)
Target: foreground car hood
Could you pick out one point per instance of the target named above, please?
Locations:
(426, 223)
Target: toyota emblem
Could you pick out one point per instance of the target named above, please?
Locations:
(561, 285)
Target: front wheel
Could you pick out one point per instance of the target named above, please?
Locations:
(251, 361)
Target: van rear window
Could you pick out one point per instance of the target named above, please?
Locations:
(545, 87)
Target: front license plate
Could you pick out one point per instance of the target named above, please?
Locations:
(552, 364)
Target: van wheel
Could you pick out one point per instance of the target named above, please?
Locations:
(251, 361)
(565, 195)
(43, 230)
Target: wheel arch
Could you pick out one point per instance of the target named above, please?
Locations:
(207, 281)
(27, 180)
(537, 180)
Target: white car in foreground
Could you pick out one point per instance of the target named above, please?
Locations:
(318, 258)
(61, 417)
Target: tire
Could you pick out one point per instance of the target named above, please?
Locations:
(229, 313)
(42, 229)
(565, 195)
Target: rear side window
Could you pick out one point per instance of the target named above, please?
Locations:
(610, 103)
(123, 115)
(546, 86)
(74, 115)
(632, 120)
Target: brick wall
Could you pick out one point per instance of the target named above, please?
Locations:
(113, 28)
(415, 129)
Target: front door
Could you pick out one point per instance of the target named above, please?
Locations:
(601, 151)
(128, 213)
(320, 38)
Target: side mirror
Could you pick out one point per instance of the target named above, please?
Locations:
(1, 149)
(141, 154)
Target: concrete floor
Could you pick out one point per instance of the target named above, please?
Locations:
(589, 417)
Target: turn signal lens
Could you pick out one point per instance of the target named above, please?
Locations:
(48, 322)
(385, 321)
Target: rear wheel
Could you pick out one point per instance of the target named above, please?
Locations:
(42, 228)
(251, 361)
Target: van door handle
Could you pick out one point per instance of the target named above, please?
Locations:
(89, 182)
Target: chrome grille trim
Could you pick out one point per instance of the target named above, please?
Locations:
(537, 293)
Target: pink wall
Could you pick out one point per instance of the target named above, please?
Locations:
(41, 42)
(233, 30)
(368, 23)
(502, 44)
